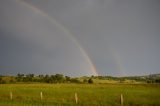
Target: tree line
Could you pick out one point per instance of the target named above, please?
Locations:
(57, 78)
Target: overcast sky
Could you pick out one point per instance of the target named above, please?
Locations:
(118, 37)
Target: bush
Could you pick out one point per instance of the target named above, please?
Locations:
(90, 81)
(75, 80)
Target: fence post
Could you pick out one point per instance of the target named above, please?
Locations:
(121, 100)
(11, 95)
(76, 98)
(41, 95)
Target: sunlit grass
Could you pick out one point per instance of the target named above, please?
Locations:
(88, 94)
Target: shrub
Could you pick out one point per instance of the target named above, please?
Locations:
(90, 81)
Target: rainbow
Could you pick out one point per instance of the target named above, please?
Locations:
(119, 63)
(68, 33)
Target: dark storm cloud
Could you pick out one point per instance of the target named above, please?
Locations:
(121, 37)
(30, 43)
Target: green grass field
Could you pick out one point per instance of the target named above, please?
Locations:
(88, 94)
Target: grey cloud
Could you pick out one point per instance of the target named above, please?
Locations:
(114, 34)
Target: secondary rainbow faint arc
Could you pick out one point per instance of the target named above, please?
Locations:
(51, 19)
(119, 64)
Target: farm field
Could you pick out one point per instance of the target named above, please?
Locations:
(88, 94)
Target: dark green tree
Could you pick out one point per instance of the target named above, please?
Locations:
(20, 77)
(68, 79)
(90, 81)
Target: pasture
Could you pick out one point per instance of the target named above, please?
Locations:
(87, 94)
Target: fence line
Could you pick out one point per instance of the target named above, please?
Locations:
(75, 97)
(121, 100)
(41, 95)
(11, 95)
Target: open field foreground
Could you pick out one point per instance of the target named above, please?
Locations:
(86, 94)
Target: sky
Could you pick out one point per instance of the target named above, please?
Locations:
(80, 37)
